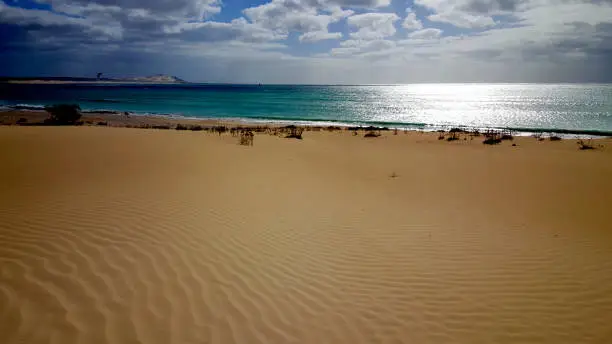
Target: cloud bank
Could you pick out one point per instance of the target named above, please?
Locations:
(312, 41)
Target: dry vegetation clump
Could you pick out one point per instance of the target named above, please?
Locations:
(293, 132)
(492, 138)
(585, 145)
(246, 137)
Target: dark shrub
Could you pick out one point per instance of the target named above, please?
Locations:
(585, 145)
(164, 127)
(63, 114)
(371, 134)
(219, 129)
(493, 137)
(454, 134)
(102, 123)
(294, 132)
(492, 140)
(181, 127)
(22, 120)
(196, 128)
(555, 138)
(373, 128)
(294, 136)
(246, 137)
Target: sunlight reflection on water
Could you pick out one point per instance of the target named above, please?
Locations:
(528, 106)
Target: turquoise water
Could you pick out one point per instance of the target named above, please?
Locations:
(522, 107)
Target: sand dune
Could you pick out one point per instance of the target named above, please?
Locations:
(114, 235)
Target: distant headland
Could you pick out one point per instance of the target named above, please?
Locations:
(153, 79)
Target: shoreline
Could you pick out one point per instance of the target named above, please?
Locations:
(238, 128)
(79, 82)
(37, 112)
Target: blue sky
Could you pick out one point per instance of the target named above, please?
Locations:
(311, 41)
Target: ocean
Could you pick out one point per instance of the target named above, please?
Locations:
(561, 108)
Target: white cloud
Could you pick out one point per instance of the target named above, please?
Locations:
(284, 16)
(411, 22)
(373, 26)
(352, 3)
(37, 20)
(463, 20)
(532, 39)
(560, 34)
(429, 33)
(286, 21)
(188, 9)
(133, 28)
(237, 29)
(319, 36)
(338, 13)
(466, 13)
(544, 26)
(360, 47)
(488, 7)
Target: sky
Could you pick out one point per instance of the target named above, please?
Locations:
(311, 41)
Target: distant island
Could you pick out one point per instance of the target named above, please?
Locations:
(153, 79)
(158, 79)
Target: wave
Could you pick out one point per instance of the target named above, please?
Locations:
(32, 107)
(103, 100)
(101, 112)
(589, 132)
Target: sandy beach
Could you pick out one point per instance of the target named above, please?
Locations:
(119, 235)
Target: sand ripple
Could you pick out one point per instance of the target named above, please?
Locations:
(192, 239)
